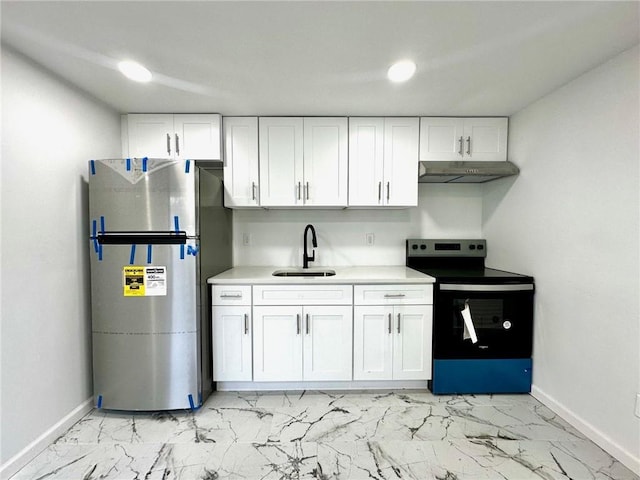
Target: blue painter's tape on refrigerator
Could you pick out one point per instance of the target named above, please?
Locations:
(187, 166)
(149, 248)
(192, 250)
(132, 257)
(181, 252)
(99, 252)
(92, 166)
(99, 401)
(144, 164)
(101, 224)
(176, 223)
(193, 407)
(94, 234)
(128, 164)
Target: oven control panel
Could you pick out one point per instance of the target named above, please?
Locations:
(446, 248)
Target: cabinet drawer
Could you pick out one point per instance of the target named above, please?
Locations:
(303, 294)
(392, 294)
(231, 295)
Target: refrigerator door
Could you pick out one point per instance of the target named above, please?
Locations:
(146, 335)
(140, 194)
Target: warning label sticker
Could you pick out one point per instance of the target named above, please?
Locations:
(140, 281)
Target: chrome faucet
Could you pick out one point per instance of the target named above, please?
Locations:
(305, 257)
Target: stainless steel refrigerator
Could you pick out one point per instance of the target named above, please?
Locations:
(158, 231)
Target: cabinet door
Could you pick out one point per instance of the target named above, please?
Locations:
(231, 343)
(366, 158)
(412, 342)
(241, 161)
(197, 136)
(325, 161)
(327, 343)
(372, 342)
(281, 161)
(485, 139)
(150, 135)
(401, 138)
(441, 139)
(277, 344)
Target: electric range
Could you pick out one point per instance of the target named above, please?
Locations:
(482, 321)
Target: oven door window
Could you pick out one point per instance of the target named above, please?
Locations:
(502, 322)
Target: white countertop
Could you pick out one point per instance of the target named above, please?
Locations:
(366, 275)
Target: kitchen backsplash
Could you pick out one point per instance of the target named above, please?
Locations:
(274, 237)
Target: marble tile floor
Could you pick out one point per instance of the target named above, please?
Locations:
(330, 435)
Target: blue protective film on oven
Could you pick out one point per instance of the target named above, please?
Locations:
(503, 375)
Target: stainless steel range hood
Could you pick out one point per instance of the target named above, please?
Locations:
(464, 172)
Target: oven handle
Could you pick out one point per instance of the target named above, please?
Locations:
(486, 288)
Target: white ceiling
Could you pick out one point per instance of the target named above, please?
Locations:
(321, 57)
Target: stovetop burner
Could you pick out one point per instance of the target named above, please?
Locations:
(459, 261)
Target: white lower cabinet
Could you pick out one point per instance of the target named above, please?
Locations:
(302, 332)
(373, 345)
(316, 333)
(327, 343)
(392, 340)
(231, 333)
(302, 343)
(232, 343)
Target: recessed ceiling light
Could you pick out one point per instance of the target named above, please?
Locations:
(401, 71)
(134, 71)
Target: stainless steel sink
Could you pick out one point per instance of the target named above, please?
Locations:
(310, 272)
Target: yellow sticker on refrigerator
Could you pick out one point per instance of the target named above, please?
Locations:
(141, 281)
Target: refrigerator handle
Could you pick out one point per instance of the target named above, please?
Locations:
(168, 144)
(177, 144)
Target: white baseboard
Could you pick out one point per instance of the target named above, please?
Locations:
(631, 461)
(15, 463)
(323, 385)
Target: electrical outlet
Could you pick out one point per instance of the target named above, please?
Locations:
(246, 239)
(370, 238)
(638, 405)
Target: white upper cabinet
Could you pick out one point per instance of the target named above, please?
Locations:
(197, 137)
(401, 139)
(463, 139)
(303, 161)
(383, 161)
(188, 136)
(148, 135)
(366, 161)
(241, 181)
(325, 162)
(281, 161)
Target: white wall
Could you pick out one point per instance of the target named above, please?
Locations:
(49, 131)
(572, 220)
(447, 211)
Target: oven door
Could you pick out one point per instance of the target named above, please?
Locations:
(501, 319)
